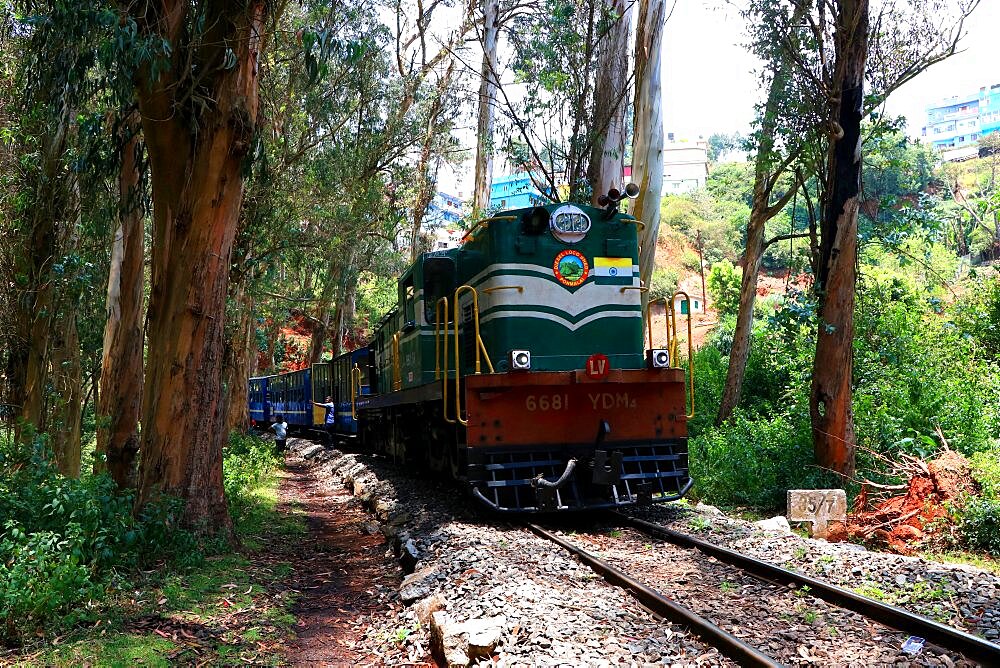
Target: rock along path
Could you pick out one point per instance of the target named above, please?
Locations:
(342, 577)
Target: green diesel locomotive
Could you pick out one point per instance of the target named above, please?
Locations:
(517, 364)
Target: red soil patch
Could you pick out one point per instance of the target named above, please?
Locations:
(900, 522)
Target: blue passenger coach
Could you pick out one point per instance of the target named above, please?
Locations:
(291, 397)
(260, 401)
(291, 394)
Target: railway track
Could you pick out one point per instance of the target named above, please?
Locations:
(760, 602)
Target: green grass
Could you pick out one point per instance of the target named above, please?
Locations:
(124, 649)
(699, 523)
(872, 591)
(205, 596)
(983, 561)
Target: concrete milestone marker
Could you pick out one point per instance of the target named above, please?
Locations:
(818, 506)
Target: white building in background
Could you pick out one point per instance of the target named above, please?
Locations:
(685, 165)
(445, 238)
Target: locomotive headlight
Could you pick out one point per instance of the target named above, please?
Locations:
(520, 360)
(659, 358)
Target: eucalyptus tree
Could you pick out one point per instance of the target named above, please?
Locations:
(197, 92)
(552, 128)
(855, 47)
(66, 90)
(489, 83)
(647, 151)
(798, 125)
(119, 401)
(777, 141)
(606, 168)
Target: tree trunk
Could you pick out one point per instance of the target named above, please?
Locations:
(740, 351)
(196, 168)
(647, 152)
(321, 323)
(487, 102)
(345, 308)
(607, 157)
(239, 354)
(425, 187)
(67, 381)
(29, 372)
(830, 396)
(120, 396)
(765, 179)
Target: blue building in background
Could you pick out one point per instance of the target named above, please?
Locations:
(953, 122)
(989, 109)
(514, 192)
(961, 120)
(445, 209)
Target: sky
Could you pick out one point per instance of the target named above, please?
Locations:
(709, 85)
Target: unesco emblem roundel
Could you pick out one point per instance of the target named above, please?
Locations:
(571, 268)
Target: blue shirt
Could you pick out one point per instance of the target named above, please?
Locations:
(331, 412)
(280, 430)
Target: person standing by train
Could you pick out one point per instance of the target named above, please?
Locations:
(280, 429)
(331, 418)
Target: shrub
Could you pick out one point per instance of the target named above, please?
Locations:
(690, 259)
(61, 537)
(754, 461)
(986, 471)
(723, 283)
(978, 315)
(663, 284)
(247, 461)
(981, 524)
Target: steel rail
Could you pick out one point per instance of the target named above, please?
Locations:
(944, 636)
(730, 645)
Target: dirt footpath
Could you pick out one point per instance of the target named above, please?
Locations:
(341, 576)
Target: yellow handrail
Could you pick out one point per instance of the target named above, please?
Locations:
(649, 319)
(487, 291)
(673, 341)
(397, 371)
(483, 223)
(690, 342)
(441, 346)
(479, 347)
(356, 378)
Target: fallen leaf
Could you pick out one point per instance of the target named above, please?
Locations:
(161, 601)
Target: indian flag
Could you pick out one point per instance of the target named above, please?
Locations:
(612, 267)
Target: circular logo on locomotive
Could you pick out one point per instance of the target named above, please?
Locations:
(571, 268)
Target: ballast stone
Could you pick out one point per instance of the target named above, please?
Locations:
(778, 523)
(418, 584)
(426, 607)
(462, 644)
(312, 451)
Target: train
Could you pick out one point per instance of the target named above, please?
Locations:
(520, 363)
